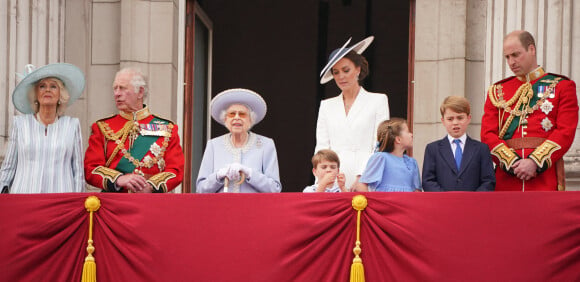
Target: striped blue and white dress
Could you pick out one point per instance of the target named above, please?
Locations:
(44, 159)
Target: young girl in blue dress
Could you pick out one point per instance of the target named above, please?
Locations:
(390, 169)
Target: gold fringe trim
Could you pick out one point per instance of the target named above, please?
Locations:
(506, 155)
(544, 152)
(159, 181)
(107, 174)
(357, 270)
(92, 204)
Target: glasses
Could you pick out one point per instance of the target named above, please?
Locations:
(238, 113)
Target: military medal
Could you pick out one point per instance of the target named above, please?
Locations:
(547, 107)
(155, 149)
(155, 130)
(541, 91)
(547, 124)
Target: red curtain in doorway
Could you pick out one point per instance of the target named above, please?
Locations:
(507, 236)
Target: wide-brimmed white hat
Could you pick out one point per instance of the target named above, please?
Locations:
(71, 76)
(337, 54)
(226, 98)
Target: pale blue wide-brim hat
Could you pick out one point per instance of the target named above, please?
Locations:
(226, 98)
(71, 76)
(337, 54)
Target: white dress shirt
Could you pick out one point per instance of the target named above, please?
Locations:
(463, 138)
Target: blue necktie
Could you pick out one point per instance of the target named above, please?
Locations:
(458, 153)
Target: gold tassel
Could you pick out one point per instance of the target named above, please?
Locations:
(92, 204)
(357, 270)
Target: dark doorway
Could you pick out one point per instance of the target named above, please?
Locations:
(278, 48)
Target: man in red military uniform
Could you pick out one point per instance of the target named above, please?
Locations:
(529, 121)
(133, 151)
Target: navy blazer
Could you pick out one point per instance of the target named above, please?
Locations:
(440, 172)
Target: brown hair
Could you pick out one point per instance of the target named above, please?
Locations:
(526, 39)
(325, 155)
(387, 132)
(457, 104)
(359, 61)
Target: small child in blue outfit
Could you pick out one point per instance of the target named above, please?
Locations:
(326, 168)
(390, 169)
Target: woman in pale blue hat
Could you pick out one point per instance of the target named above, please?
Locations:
(347, 123)
(240, 161)
(45, 153)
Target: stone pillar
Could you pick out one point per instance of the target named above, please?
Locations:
(32, 32)
(137, 33)
(449, 57)
(558, 48)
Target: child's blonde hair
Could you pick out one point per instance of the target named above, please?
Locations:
(325, 155)
(387, 132)
(457, 104)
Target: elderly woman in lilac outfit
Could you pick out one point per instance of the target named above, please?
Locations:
(240, 161)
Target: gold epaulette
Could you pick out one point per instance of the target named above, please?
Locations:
(559, 75)
(159, 181)
(107, 174)
(507, 157)
(106, 118)
(505, 80)
(161, 118)
(543, 153)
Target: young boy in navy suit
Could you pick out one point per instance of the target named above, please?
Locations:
(457, 162)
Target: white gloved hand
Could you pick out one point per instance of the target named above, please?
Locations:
(247, 171)
(234, 172)
(222, 173)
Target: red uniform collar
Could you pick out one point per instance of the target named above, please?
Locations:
(533, 75)
(138, 115)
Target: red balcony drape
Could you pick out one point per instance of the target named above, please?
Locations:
(509, 236)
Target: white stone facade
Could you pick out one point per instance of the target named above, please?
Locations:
(458, 45)
(457, 52)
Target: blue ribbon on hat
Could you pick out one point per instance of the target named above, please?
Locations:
(29, 68)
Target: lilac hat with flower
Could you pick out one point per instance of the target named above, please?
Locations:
(71, 76)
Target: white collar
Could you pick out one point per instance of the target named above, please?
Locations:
(463, 138)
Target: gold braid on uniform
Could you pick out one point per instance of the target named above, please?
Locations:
(541, 155)
(114, 136)
(523, 96)
(159, 181)
(131, 130)
(107, 174)
(507, 156)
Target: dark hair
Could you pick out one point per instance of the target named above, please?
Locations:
(359, 61)
(526, 39)
(387, 132)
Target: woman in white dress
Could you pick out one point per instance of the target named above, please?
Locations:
(347, 123)
(240, 161)
(45, 153)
